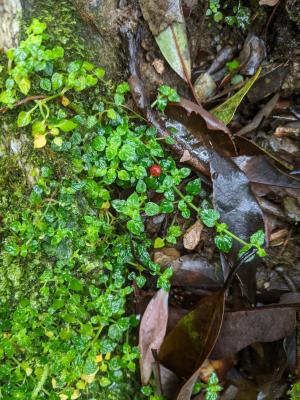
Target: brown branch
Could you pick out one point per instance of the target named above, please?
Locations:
(23, 101)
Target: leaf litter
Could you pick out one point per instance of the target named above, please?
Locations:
(233, 164)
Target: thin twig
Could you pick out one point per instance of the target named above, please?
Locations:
(23, 101)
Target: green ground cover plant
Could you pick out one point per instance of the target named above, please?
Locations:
(74, 244)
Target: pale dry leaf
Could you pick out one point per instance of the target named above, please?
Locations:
(159, 66)
(192, 236)
(152, 331)
(270, 3)
(40, 141)
(166, 256)
(186, 156)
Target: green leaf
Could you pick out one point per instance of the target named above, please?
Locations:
(224, 242)
(91, 121)
(152, 209)
(213, 379)
(123, 88)
(66, 125)
(99, 72)
(45, 84)
(24, 119)
(135, 227)
(119, 99)
(169, 140)
(173, 232)
(123, 175)
(159, 243)
(174, 46)
(24, 85)
(193, 187)
(7, 97)
(166, 206)
(133, 200)
(38, 128)
(209, 217)
(111, 114)
(258, 238)
(57, 80)
(99, 143)
(225, 111)
(119, 205)
(36, 27)
(141, 186)
(56, 52)
(127, 153)
(9, 83)
(218, 16)
(12, 248)
(140, 281)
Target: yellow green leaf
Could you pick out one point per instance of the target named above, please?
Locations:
(40, 141)
(225, 111)
(159, 243)
(24, 85)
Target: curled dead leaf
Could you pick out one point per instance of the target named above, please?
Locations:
(186, 156)
(192, 236)
(167, 256)
(159, 66)
(152, 331)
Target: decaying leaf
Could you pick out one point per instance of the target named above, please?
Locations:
(239, 209)
(270, 3)
(174, 46)
(249, 148)
(166, 257)
(160, 14)
(204, 126)
(195, 271)
(194, 336)
(167, 24)
(169, 382)
(152, 331)
(260, 116)
(269, 82)
(191, 238)
(242, 328)
(252, 55)
(259, 170)
(225, 112)
(191, 341)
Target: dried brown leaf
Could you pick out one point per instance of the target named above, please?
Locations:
(203, 125)
(270, 3)
(191, 341)
(152, 331)
(192, 236)
(242, 328)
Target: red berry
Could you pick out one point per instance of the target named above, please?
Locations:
(155, 170)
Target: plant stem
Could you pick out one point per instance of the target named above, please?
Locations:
(198, 210)
(41, 382)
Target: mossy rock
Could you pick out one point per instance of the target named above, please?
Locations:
(81, 27)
